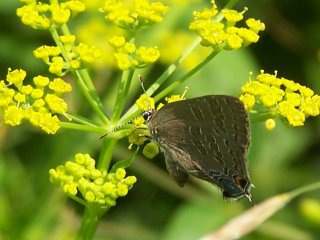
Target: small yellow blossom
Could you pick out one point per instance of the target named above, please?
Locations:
(117, 41)
(87, 54)
(232, 16)
(248, 100)
(37, 93)
(145, 103)
(270, 124)
(74, 5)
(44, 52)
(59, 15)
(60, 86)
(41, 81)
(56, 104)
(129, 48)
(206, 14)
(255, 25)
(48, 123)
(148, 55)
(67, 39)
(57, 65)
(75, 64)
(123, 61)
(20, 98)
(39, 103)
(16, 77)
(13, 115)
(26, 89)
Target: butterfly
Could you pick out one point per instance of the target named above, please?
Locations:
(206, 137)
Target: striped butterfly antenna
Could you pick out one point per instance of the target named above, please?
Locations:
(116, 128)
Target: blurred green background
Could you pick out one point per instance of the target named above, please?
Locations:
(279, 161)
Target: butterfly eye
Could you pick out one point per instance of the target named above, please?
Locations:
(147, 115)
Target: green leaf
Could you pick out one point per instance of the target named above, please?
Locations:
(124, 163)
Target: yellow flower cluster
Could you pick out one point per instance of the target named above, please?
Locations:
(128, 56)
(133, 14)
(70, 57)
(95, 186)
(280, 97)
(225, 34)
(37, 104)
(40, 15)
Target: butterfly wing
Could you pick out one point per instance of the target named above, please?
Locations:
(207, 137)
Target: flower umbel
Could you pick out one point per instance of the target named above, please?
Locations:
(43, 16)
(94, 185)
(128, 56)
(133, 14)
(225, 34)
(280, 97)
(37, 104)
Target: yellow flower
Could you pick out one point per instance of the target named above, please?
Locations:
(270, 124)
(67, 39)
(145, 103)
(255, 25)
(248, 100)
(37, 93)
(88, 54)
(13, 115)
(48, 123)
(16, 77)
(41, 81)
(44, 52)
(117, 41)
(20, 98)
(57, 65)
(148, 55)
(232, 16)
(56, 104)
(60, 86)
(123, 61)
(59, 15)
(26, 89)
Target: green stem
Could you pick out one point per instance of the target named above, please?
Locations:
(89, 223)
(106, 153)
(174, 85)
(122, 93)
(76, 126)
(90, 94)
(230, 4)
(79, 119)
(261, 117)
(304, 189)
